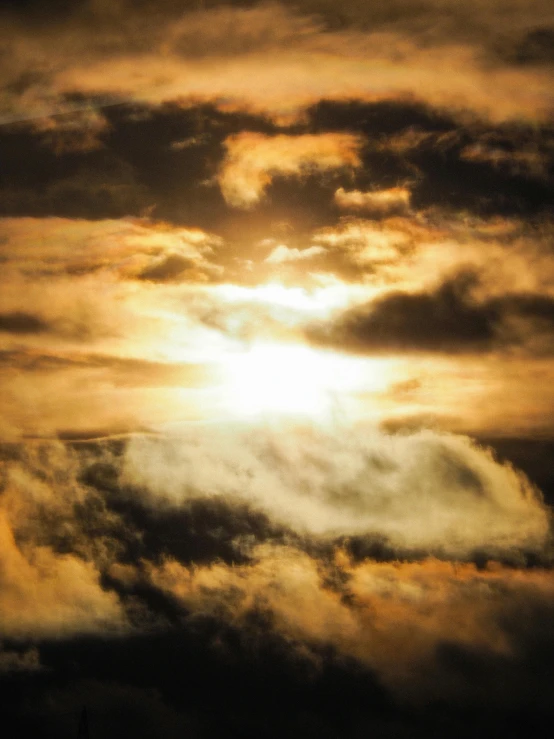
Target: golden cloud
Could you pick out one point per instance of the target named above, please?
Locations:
(380, 202)
(129, 248)
(44, 593)
(253, 160)
(391, 616)
(275, 60)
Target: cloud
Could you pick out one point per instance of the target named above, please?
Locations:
(22, 323)
(437, 20)
(473, 165)
(452, 317)
(395, 200)
(113, 294)
(183, 550)
(447, 320)
(139, 171)
(277, 59)
(19, 660)
(168, 269)
(76, 395)
(253, 160)
(282, 253)
(426, 490)
(127, 248)
(43, 592)
(525, 161)
(398, 619)
(342, 207)
(76, 131)
(416, 254)
(360, 250)
(533, 47)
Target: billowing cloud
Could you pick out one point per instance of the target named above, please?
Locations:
(186, 549)
(44, 592)
(253, 160)
(394, 617)
(427, 491)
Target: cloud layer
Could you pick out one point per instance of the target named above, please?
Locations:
(280, 59)
(276, 379)
(422, 492)
(171, 552)
(253, 160)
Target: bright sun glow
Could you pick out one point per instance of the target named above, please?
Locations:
(296, 380)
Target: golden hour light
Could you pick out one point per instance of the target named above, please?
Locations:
(276, 369)
(298, 381)
(315, 302)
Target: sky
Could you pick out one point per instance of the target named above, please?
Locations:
(276, 368)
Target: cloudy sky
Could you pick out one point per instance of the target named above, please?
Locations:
(276, 368)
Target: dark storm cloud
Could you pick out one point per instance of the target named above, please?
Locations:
(430, 18)
(503, 169)
(534, 47)
(22, 323)
(189, 687)
(437, 20)
(113, 709)
(449, 319)
(140, 167)
(37, 181)
(28, 9)
(503, 172)
(471, 674)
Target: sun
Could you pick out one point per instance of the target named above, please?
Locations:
(295, 380)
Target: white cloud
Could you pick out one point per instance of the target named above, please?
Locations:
(283, 253)
(426, 490)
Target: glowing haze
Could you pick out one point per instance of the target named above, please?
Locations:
(277, 389)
